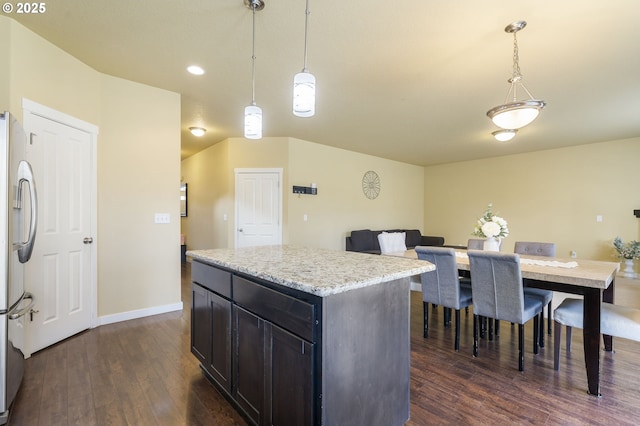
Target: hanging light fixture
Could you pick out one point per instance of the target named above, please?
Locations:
(516, 113)
(253, 113)
(197, 131)
(304, 83)
(504, 135)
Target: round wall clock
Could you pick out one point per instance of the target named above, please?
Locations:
(371, 184)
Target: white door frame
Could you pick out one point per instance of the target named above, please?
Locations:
(62, 118)
(238, 172)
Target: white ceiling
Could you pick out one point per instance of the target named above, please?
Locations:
(404, 80)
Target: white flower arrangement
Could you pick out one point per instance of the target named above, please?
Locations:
(491, 226)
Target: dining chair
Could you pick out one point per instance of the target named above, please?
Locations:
(538, 249)
(442, 286)
(496, 281)
(615, 320)
(475, 244)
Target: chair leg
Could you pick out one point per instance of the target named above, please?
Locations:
(447, 316)
(520, 347)
(483, 327)
(497, 328)
(536, 330)
(549, 319)
(425, 332)
(475, 335)
(541, 331)
(569, 339)
(557, 334)
(466, 310)
(456, 344)
(490, 328)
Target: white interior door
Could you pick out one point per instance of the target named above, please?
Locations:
(60, 274)
(258, 207)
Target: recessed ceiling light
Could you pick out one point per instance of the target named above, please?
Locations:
(195, 70)
(197, 131)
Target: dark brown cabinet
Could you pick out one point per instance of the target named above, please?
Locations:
(300, 357)
(211, 333)
(250, 344)
(273, 373)
(248, 374)
(291, 372)
(211, 321)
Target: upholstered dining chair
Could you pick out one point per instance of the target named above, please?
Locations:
(475, 244)
(538, 249)
(496, 280)
(615, 320)
(442, 286)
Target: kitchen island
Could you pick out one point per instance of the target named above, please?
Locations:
(304, 336)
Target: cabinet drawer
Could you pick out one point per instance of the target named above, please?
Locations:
(212, 278)
(288, 312)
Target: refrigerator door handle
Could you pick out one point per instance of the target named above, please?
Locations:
(25, 175)
(13, 314)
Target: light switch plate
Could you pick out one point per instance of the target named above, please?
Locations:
(162, 218)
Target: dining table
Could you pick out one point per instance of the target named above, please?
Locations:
(593, 279)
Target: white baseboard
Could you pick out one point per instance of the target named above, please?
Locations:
(139, 313)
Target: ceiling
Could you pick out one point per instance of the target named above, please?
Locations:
(404, 80)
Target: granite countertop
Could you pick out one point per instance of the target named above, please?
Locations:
(317, 271)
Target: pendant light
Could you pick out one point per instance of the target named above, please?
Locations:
(504, 135)
(253, 113)
(304, 83)
(514, 114)
(197, 131)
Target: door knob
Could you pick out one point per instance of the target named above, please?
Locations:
(239, 229)
(87, 240)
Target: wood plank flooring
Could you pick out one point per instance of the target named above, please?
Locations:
(141, 372)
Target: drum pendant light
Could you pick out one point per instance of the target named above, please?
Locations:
(304, 83)
(253, 113)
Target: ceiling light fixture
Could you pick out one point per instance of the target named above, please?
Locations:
(195, 70)
(253, 113)
(504, 135)
(197, 131)
(304, 83)
(516, 113)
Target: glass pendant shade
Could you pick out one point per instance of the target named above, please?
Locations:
(253, 122)
(515, 115)
(504, 135)
(304, 94)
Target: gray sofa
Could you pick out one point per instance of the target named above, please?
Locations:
(366, 240)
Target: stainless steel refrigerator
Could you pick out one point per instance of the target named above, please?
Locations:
(18, 223)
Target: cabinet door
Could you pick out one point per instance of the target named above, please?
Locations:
(220, 360)
(200, 324)
(248, 375)
(291, 373)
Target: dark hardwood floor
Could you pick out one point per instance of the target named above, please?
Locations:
(141, 372)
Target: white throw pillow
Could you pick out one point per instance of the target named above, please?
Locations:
(392, 242)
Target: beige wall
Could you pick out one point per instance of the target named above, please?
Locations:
(209, 198)
(5, 52)
(45, 74)
(210, 178)
(138, 165)
(550, 195)
(340, 205)
(138, 176)
(338, 208)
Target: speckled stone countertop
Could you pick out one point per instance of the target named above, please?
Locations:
(317, 271)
